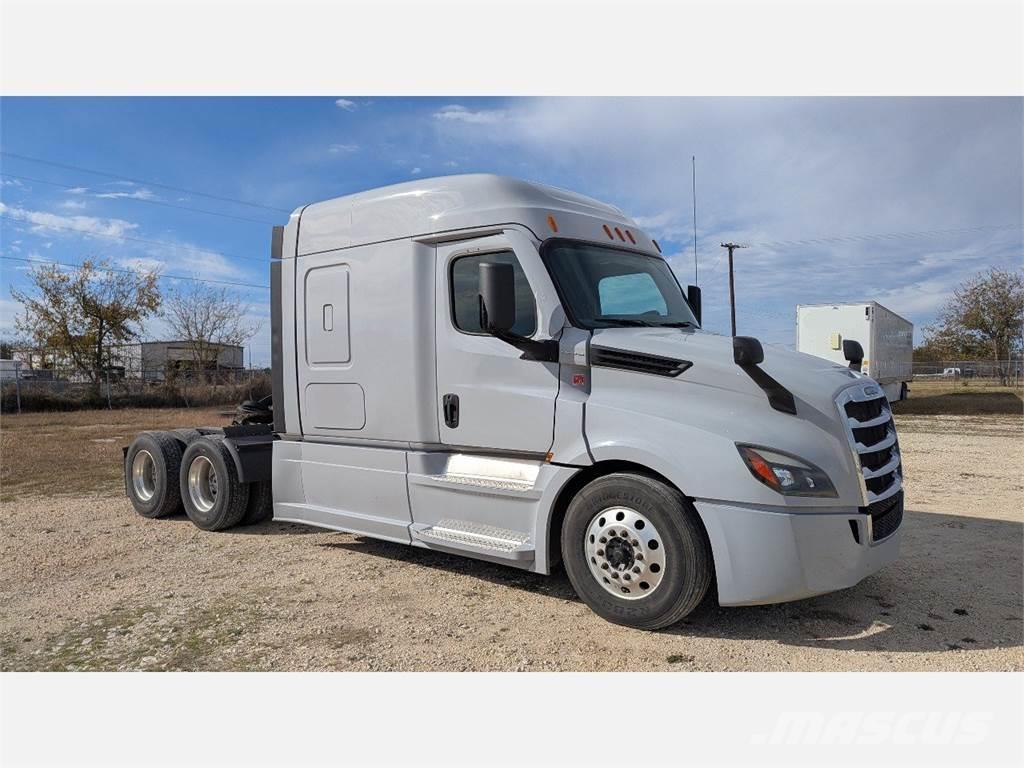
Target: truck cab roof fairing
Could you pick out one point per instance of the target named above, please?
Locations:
(449, 203)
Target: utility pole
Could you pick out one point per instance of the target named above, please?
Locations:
(732, 290)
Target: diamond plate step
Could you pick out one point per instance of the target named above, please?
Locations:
(476, 537)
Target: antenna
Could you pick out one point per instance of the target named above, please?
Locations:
(693, 165)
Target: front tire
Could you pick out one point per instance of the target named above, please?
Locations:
(635, 551)
(214, 498)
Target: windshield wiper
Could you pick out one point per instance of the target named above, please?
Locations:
(632, 322)
(627, 322)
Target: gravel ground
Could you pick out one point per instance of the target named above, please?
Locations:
(87, 584)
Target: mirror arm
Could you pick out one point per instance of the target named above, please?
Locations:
(541, 351)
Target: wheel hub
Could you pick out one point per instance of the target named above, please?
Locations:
(624, 552)
(144, 475)
(202, 484)
(619, 554)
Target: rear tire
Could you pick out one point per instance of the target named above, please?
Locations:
(649, 563)
(151, 469)
(261, 504)
(213, 497)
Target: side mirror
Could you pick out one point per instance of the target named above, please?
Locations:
(853, 352)
(497, 297)
(746, 350)
(693, 298)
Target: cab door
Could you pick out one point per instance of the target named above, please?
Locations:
(489, 397)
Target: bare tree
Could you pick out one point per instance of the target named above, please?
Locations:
(984, 318)
(79, 313)
(207, 319)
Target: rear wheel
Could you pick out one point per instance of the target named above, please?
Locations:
(214, 498)
(151, 474)
(635, 551)
(261, 504)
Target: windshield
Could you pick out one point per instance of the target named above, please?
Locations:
(605, 287)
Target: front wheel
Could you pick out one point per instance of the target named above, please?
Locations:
(635, 551)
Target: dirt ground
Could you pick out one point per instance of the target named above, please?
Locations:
(86, 584)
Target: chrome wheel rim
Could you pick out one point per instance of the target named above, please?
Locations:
(144, 475)
(625, 553)
(202, 483)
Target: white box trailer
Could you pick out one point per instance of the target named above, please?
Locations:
(504, 370)
(886, 338)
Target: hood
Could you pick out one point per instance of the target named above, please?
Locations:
(812, 379)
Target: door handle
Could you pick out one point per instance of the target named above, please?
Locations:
(450, 406)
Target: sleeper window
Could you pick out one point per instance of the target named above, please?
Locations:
(465, 288)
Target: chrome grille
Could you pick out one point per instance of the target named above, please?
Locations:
(869, 427)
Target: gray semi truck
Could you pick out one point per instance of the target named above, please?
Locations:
(508, 371)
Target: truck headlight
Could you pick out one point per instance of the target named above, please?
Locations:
(786, 473)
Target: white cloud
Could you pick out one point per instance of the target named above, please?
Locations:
(451, 164)
(343, 149)
(78, 190)
(346, 104)
(458, 113)
(138, 194)
(416, 171)
(43, 221)
(9, 309)
(73, 205)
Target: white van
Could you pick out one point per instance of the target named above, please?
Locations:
(508, 371)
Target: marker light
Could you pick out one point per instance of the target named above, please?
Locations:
(630, 236)
(608, 232)
(619, 233)
(552, 223)
(785, 473)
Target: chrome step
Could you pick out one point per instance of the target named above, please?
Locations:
(476, 537)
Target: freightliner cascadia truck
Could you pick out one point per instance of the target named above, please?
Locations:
(512, 372)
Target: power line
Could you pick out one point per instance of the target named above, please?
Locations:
(117, 177)
(137, 272)
(884, 236)
(206, 251)
(138, 199)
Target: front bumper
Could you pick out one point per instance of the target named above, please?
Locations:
(767, 556)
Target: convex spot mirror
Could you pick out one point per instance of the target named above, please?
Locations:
(497, 297)
(693, 299)
(853, 352)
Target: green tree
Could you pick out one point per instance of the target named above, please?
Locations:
(983, 319)
(79, 313)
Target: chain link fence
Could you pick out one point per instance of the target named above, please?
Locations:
(979, 373)
(53, 389)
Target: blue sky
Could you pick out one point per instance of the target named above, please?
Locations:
(841, 199)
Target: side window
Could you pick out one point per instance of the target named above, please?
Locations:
(465, 289)
(635, 294)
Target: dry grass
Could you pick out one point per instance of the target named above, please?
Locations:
(960, 398)
(80, 451)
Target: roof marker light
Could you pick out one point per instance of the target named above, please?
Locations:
(630, 236)
(553, 224)
(608, 232)
(619, 233)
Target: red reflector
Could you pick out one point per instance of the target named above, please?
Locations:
(608, 231)
(619, 233)
(630, 236)
(553, 224)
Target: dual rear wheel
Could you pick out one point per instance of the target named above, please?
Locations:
(164, 474)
